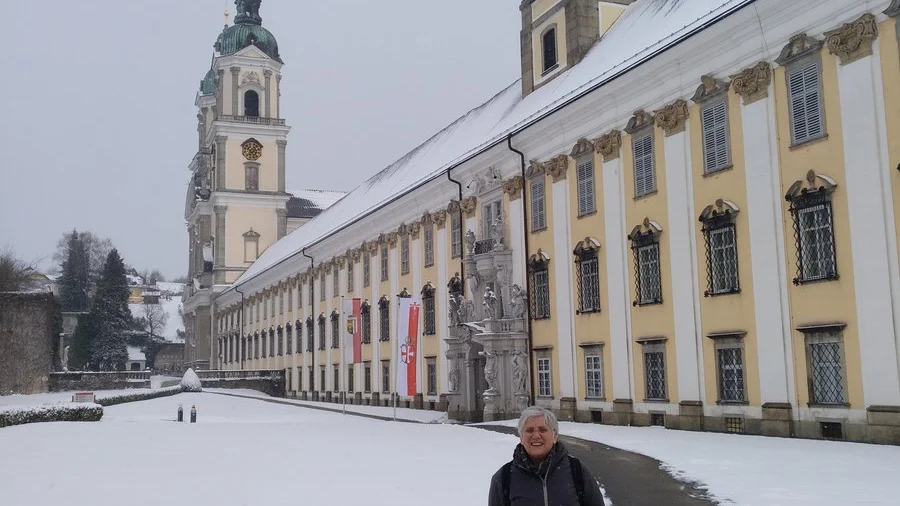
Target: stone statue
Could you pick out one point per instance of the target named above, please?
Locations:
(490, 304)
(490, 369)
(453, 373)
(497, 232)
(456, 284)
(470, 241)
(454, 303)
(466, 311)
(517, 304)
(65, 359)
(247, 10)
(520, 371)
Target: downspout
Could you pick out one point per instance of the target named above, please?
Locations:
(462, 251)
(312, 312)
(527, 280)
(241, 318)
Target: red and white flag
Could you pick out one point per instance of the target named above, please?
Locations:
(352, 331)
(406, 348)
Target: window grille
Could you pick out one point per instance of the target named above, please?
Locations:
(367, 376)
(586, 192)
(731, 374)
(734, 424)
(322, 378)
(588, 278)
(429, 245)
(716, 152)
(312, 380)
(593, 372)
(322, 286)
(366, 317)
(540, 294)
(280, 336)
(264, 347)
(805, 103)
(310, 335)
(721, 253)
(335, 329)
(826, 370)
(321, 331)
(545, 379)
(336, 377)
(385, 376)
(431, 367)
(538, 204)
(655, 374)
(647, 275)
(271, 342)
(644, 170)
(428, 307)
(384, 320)
(404, 254)
(350, 378)
(335, 282)
(814, 237)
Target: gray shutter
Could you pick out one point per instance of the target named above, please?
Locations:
(586, 200)
(715, 136)
(805, 103)
(644, 178)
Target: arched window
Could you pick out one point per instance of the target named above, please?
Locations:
(548, 43)
(251, 103)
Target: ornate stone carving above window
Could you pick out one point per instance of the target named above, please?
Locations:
(426, 219)
(640, 119)
(752, 83)
(404, 294)
(371, 246)
(354, 254)
(489, 180)
(798, 46)
(428, 290)
(413, 229)
(673, 117)
(709, 88)
(535, 168)
(538, 260)
(513, 187)
(813, 183)
(467, 206)
(328, 265)
(893, 11)
(384, 302)
(853, 41)
(339, 261)
(609, 145)
(587, 247)
(302, 277)
(250, 77)
(439, 218)
(557, 166)
(391, 239)
(719, 210)
(648, 231)
(581, 148)
(403, 229)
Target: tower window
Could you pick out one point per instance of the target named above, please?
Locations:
(548, 41)
(251, 104)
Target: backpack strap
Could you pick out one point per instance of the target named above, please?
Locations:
(504, 482)
(577, 478)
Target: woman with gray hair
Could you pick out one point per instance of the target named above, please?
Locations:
(541, 471)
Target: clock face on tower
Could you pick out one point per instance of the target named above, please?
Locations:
(251, 149)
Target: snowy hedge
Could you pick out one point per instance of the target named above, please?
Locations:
(138, 395)
(68, 412)
(190, 382)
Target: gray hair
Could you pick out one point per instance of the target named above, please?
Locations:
(533, 411)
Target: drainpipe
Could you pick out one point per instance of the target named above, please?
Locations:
(241, 319)
(462, 250)
(527, 280)
(312, 312)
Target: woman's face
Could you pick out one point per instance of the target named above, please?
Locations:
(538, 438)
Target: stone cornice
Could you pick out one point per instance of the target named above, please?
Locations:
(413, 229)
(853, 41)
(673, 117)
(609, 145)
(513, 187)
(640, 119)
(391, 238)
(798, 46)
(752, 83)
(439, 218)
(893, 10)
(709, 88)
(557, 167)
(535, 168)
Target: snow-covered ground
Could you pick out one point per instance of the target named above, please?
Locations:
(246, 452)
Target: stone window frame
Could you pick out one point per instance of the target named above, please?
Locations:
(800, 55)
(279, 339)
(709, 111)
(367, 268)
(385, 376)
(639, 136)
(384, 319)
(310, 334)
(818, 335)
(645, 238)
(335, 329)
(715, 219)
(538, 207)
(322, 337)
(350, 276)
(365, 314)
(335, 378)
(251, 176)
(654, 346)
(806, 200)
(350, 377)
(545, 68)
(404, 254)
(271, 342)
(256, 90)
(431, 375)
(582, 183)
(724, 341)
(428, 244)
(456, 233)
(429, 311)
(322, 377)
(544, 370)
(289, 339)
(594, 350)
(367, 376)
(384, 256)
(251, 239)
(586, 253)
(539, 271)
(322, 277)
(298, 330)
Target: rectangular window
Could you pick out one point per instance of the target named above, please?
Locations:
(644, 170)
(548, 41)
(350, 276)
(588, 285)
(385, 376)
(366, 317)
(540, 285)
(545, 377)
(825, 370)
(350, 378)
(538, 204)
(384, 262)
(264, 347)
(805, 103)
(271, 344)
(290, 298)
(431, 371)
(280, 343)
(721, 258)
(335, 331)
(655, 371)
(251, 177)
(730, 362)
(335, 283)
(336, 377)
(384, 314)
(587, 202)
(649, 286)
(322, 333)
(491, 213)
(429, 309)
(322, 286)
(714, 121)
(404, 254)
(312, 380)
(310, 335)
(815, 230)
(367, 376)
(298, 329)
(322, 386)
(593, 371)
(265, 308)
(367, 268)
(299, 296)
(429, 245)
(455, 234)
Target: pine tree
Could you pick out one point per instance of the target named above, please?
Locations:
(111, 315)
(74, 282)
(80, 352)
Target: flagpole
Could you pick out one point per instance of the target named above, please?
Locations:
(395, 405)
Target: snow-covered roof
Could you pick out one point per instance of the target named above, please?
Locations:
(644, 29)
(174, 322)
(172, 288)
(309, 203)
(135, 353)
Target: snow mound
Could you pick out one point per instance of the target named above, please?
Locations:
(190, 382)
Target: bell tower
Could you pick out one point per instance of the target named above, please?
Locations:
(236, 199)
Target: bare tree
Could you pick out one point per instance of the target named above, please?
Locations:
(15, 274)
(152, 320)
(97, 247)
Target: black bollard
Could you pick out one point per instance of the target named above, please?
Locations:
(193, 414)
(180, 413)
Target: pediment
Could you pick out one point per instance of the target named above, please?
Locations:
(252, 51)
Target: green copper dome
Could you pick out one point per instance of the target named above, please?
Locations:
(209, 83)
(240, 35)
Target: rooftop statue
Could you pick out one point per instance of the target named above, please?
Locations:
(247, 12)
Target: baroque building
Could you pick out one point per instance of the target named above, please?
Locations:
(683, 214)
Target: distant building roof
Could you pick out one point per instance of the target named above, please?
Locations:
(309, 203)
(135, 353)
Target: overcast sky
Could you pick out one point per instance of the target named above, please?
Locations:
(99, 123)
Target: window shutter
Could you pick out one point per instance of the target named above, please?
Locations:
(538, 216)
(806, 103)
(813, 102)
(715, 136)
(586, 200)
(644, 180)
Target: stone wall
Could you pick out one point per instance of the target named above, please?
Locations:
(273, 386)
(28, 339)
(170, 359)
(74, 381)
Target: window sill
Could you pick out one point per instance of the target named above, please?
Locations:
(537, 318)
(657, 401)
(719, 294)
(807, 142)
(716, 172)
(538, 230)
(550, 70)
(843, 405)
(649, 303)
(544, 397)
(645, 195)
(590, 311)
(595, 399)
(799, 281)
(588, 214)
(732, 403)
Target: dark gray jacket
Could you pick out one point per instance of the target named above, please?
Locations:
(548, 484)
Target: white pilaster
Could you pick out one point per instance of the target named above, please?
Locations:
(374, 277)
(767, 251)
(442, 264)
(394, 274)
(872, 227)
(563, 309)
(415, 265)
(617, 279)
(683, 254)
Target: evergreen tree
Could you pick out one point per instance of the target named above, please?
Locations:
(80, 351)
(111, 315)
(74, 282)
